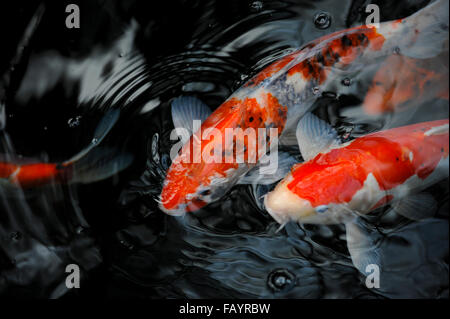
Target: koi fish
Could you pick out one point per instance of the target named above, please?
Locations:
(340, 182)
(92, 164)
(279, 96)
(361, 175)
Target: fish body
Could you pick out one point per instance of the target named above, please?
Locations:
(36, 174)
(279, 96)
(364, 174)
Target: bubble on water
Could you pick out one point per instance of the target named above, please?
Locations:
(346, 81)
(15, 235)
(322, 20)
(74, 121)
(281, 279)
(256, 6)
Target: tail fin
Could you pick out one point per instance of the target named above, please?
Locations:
(100, 163)
(427, 31)
(94, 162)
(103, 128)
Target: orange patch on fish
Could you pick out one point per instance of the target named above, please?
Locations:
(343, 49)
(342, 46)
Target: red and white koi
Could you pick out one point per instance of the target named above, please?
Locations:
(340, 182)
(369, 172)
(282, 93)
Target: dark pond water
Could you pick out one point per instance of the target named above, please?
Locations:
(138, 56)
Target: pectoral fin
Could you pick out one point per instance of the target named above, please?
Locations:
(363, 245)
(315, 136)
(416, 207)
(186, 110)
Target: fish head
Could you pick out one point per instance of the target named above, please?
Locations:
(284, 206)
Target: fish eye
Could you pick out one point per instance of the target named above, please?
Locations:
(321, 209)
(205, 192)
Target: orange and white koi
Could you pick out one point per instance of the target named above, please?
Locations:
(93, 163)
(282, 93)
(338, 183)
(369, 172)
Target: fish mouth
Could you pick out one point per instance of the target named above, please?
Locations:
(285, 206)
(279, 217)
